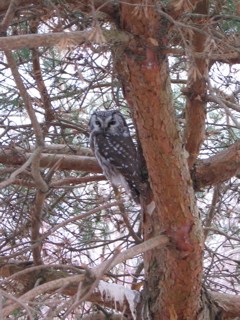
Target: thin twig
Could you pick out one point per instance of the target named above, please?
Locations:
(36, 214)
(36, 173)
(8, 16)
(62, 224)
(106, 265)
(13, 176)
(86, 287)
(25, 96)
(18, 301)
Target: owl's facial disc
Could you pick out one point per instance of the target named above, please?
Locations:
(104, 124)
(98, 123)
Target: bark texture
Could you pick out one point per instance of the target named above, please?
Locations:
(197, 88)
(171, 273)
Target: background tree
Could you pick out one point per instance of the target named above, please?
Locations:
(69, 248)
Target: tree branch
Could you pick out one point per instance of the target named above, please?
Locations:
(12, 156)
(37, 73)
(25, 96)
(229, 304)
(108, 7)
(106, 265)
(13, 176)
(9, 15)
(217, 168)
(196, 90)
(54, 39)
(207, 172)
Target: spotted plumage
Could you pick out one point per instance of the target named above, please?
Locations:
(115, 151)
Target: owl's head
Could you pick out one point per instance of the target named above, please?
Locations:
(108, 122)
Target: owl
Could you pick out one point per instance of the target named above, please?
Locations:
(115, 151)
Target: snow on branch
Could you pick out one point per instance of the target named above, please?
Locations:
(120, 294)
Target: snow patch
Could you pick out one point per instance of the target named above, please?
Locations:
(150, 207)
(117, 293)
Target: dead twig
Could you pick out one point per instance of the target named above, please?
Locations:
(150, 244)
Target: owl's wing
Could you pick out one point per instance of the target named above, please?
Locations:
(120, 151)
(121, 154)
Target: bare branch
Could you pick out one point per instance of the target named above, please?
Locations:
(10, 156)
(9, 15)
(102, 316)
(56, 284)
(13, 176)
(37, 72)
(54, 39)
(229, 304)
(76, 181)
(17, 301)
(212, 211)
(36, 222)
(218, 168)
(149, 244)
(25, 96)
(196, 90)
(35, 170)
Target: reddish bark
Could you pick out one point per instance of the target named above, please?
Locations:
(196, 89)
(218, 168)
(173, 272)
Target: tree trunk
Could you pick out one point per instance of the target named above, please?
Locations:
(173, 274)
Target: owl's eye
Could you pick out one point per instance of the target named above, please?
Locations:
(98, 123)
(111, 123)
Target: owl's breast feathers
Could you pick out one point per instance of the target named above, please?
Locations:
(120, 151)
(121, 154)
